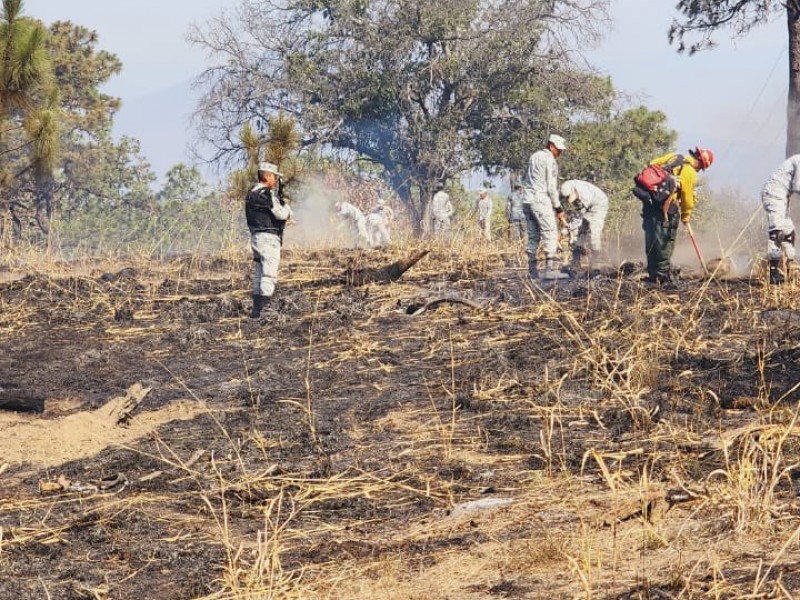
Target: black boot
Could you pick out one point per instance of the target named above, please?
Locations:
(552, 270)
(775, 275)
(533, 269)
(575, 264)
(259, 303)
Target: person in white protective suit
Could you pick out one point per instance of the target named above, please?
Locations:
(484, 208)
(590, 206)
(441, 210)
(516, 217)
(358, 223)
(378, 224)
(775, 196)
(542, 207)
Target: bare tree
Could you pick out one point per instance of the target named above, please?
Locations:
(426, 88)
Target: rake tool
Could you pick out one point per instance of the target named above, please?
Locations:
(697, 248)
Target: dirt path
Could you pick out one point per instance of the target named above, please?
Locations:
(50, 442)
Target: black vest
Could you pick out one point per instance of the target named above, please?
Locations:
(258, 211)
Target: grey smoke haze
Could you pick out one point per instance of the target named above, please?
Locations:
(316, 223)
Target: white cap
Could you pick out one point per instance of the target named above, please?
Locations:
(567, 188)
(483, 191)
(557, 141)
(269, 168)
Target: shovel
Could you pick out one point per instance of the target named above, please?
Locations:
(696, 248)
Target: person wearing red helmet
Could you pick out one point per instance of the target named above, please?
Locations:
(661, 211)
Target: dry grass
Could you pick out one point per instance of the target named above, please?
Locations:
(633, 472)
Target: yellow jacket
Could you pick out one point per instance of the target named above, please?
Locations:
(687, 179)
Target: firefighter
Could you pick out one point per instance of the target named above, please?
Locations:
(442, 210)
(667, 202)
(542, 208)
(484, 208)
(514, 213)
(378, 224)
(352, 215)
(590, 207)
(783, 182)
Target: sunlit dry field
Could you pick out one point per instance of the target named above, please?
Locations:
(458, 433)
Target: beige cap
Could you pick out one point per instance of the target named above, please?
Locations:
(557, 141)
(267, 167)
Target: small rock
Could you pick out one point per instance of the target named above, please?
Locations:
(478, 505)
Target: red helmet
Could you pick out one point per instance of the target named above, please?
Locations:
(704, 156)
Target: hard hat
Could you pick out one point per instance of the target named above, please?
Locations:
(267, 167)
(557, 141)
(704, 156)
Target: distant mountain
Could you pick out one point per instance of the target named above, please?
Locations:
(160, 121)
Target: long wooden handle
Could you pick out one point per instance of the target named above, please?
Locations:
(696, 248)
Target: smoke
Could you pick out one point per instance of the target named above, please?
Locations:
(315, 223)
(727, 223)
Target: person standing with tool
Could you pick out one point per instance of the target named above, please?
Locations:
(542, 207)
(783, 182)
(666, 188)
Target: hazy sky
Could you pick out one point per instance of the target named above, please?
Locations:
(731, 99)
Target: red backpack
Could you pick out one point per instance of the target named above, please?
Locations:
(659, 179)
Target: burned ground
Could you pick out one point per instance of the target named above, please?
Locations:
(341, 447)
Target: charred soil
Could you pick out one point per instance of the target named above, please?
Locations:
(597, 439)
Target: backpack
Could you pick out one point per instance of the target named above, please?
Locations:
(658, 181)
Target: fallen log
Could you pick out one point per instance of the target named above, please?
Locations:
(418, 309)
(389, 273)
(20, 402)
(650, 506)
(118, 410)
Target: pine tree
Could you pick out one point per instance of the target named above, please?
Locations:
(29, 105)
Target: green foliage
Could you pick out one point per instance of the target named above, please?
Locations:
(184, 216)
(175, 228)
(183, 185)
(700, 20)
(25, 67)
(704, 18)
(29, 118)
(279, 145)
(80, 69)
(610, 151)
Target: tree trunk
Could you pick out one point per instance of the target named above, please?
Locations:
(425, 196)
(44, 208)
(400, 183)
(793, 106)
